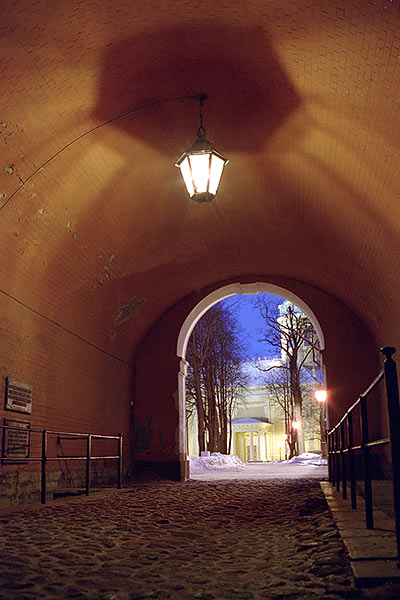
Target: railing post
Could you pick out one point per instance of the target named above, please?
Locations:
(88, 455)
(343, 462)
(337, 462)
(369, 517)
(330, 462)
(119, 482)
(392, 394)
(44, 461)
(351, 460)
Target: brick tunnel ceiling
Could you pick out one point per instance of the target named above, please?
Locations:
(303, 99)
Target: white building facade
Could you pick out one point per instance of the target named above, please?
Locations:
(258, 425)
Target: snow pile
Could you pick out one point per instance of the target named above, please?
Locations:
(308, 458)
(215, 461)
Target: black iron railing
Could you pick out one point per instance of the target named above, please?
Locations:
(43, 454)
(342, 447)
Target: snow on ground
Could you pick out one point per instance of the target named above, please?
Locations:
(215, 461)
(219, 461)
(308, 458)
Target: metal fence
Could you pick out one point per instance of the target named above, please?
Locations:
(44, 457)
(342, 445)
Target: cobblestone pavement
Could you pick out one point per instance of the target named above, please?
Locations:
(200, 540)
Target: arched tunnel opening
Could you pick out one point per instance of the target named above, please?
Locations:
(255, 420)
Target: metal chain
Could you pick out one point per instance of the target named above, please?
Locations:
(201, 132)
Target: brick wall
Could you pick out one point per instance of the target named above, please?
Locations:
(76, 388)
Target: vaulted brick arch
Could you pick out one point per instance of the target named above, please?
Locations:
(100, 244)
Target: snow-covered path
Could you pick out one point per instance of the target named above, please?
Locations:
(260, 471)
(217, 467)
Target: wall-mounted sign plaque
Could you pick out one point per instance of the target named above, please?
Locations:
(18, 396)
(16, 440)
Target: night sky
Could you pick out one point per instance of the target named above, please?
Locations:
(252, 324)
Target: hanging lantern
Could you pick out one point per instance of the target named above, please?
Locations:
(201, 166)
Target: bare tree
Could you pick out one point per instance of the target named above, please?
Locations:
(277, 387)
(215, 356)
(293, 335)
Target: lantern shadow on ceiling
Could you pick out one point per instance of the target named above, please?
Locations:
(251, 94)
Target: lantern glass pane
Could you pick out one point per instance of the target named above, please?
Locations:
(200, 164)
(217, 165)
(187, 175)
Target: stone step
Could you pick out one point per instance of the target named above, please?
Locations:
(372, 552)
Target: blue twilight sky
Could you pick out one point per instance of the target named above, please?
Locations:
(251, 323)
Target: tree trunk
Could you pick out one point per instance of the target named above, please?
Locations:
(212, 413)
(297, 400)
(201, 419)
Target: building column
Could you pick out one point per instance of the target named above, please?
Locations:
(251, 446)
(259, 457)
(263, 446)
(233, 443)
(266, 445)
(273, 445)
(242, 446)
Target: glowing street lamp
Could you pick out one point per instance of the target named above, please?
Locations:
(321, 396)
(296, 425)
(201, 166)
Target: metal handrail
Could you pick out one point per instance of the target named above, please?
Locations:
(343, 431)
(88, 457)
